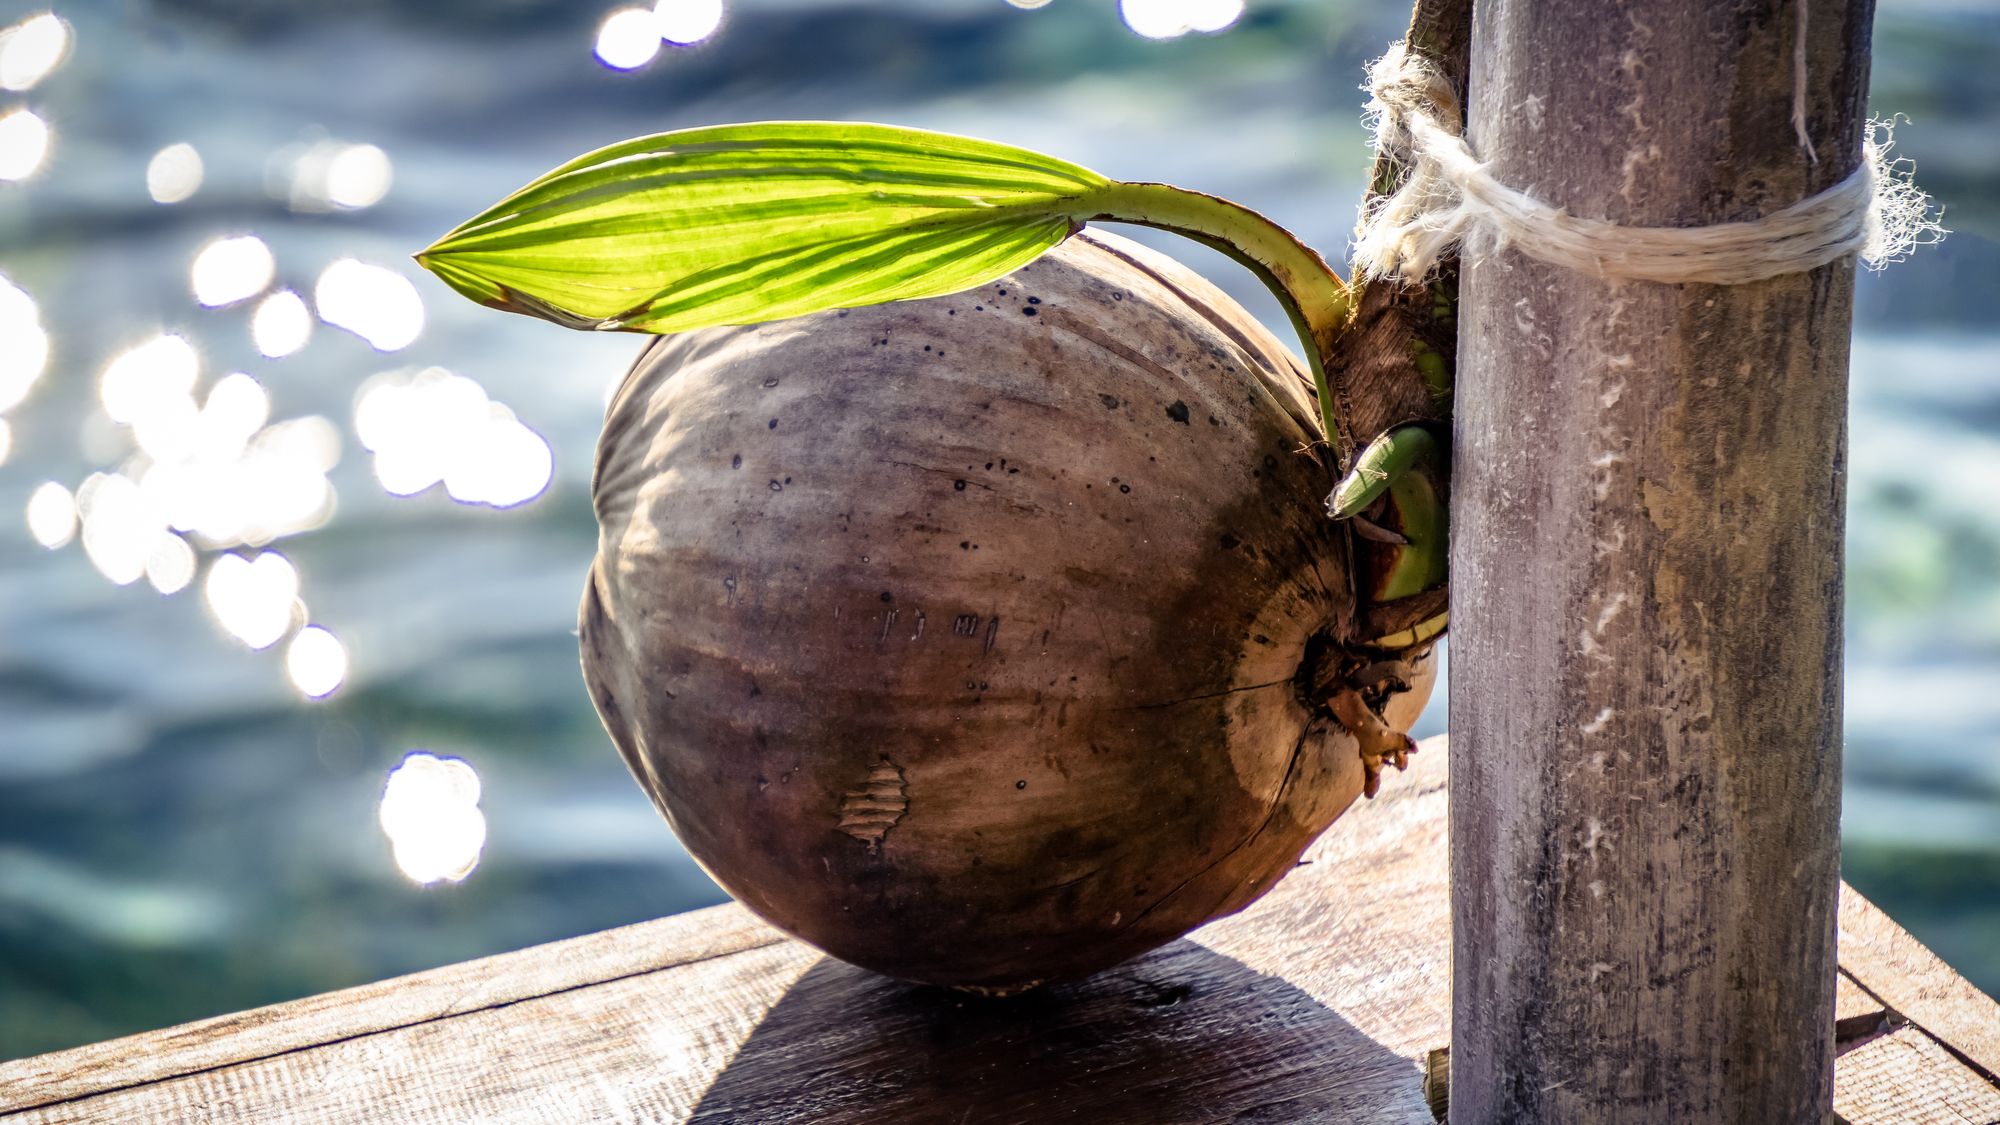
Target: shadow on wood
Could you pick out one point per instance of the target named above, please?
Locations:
(1185, 1034)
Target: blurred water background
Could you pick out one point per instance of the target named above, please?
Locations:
(383, 488)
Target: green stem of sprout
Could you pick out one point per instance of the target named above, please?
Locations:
(1317, 301)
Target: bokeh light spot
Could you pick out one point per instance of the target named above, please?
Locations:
(281, 325)
(31, 50)
(149, 378)
(1169, 19)
(229, 270)
(687, 22)
(430, 812)
(174, 173)
(170, 566)
(51, 515)
(358, 176)
(316, 661)
(121, 527)
(1210, 16)
(379, 305)
(24, 346)
(628, 38)
(253, 599)
(436, 426)
(24, 143)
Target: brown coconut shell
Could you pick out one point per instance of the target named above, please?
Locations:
(973, 639)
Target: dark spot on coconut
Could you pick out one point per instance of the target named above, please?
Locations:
(1124, 488)
(841, 314)
(1034, 300)
(1021, 784)
(1011, 472)
(773, 425)
(788, 480)
(1110, 401)
(1003, 292)
(736, 462)
(771, 382)
(1261, 639)
(776, 487)
(979, 308)
(958, 485)
(1214, 421)
(1270, 462)
(965, 544)
(1229, 542)
(887, 596)
(1028, 312)
(989, 466)
(951, 312)
(1118, 296)
(927, 347)
(1178, 412)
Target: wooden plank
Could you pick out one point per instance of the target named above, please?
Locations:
(1321, 1003)
(1910, 979)
(401, 1001)
(1906, 1078)
(1858, 1015)
(1301, 1009)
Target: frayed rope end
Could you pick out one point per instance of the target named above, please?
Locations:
(1900, 215)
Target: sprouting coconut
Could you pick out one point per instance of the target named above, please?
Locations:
(996, 634)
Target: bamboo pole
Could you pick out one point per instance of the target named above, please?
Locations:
(1646, 569)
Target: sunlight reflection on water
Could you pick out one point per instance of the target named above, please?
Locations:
(1170, 19)
(31, 49)
(24, 346)
(174, 173)
(51, 515)
(121, 527)
(24, 144)
(229, 270)
(379, 305)
(149, 378)
(686, 22)
(333, 175)
(434, 426)
(316, 661)
(281, 325)
(628, 39)
(255, 600)
(430, 812)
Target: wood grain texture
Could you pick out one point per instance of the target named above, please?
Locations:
(439, 994)
(1321, 1003)
(1906, 1078)
(1909, 979)
(1646, 557)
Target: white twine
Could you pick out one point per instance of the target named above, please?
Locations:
(1450, 201)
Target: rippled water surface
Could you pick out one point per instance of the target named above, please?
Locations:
(291, 537)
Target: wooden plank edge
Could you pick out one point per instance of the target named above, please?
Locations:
(424, 997)
(1917, 986)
